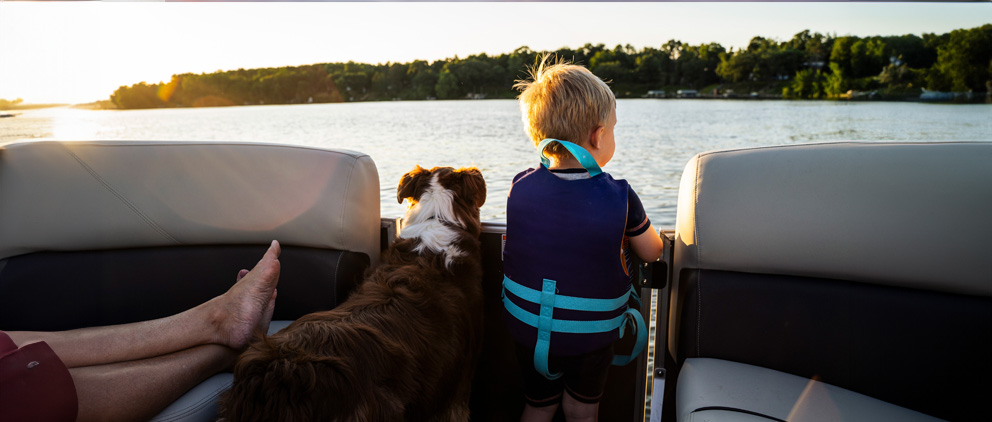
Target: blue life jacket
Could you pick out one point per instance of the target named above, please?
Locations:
(566, 281)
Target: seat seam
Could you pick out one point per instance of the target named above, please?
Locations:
(345, 203)
(134, 208)
(695, 213)
(334, 277)
(733, 409)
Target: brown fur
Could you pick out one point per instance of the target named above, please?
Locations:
(402, 347)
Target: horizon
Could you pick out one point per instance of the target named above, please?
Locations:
(81, 52)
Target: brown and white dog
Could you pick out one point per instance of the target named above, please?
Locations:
(404, 345)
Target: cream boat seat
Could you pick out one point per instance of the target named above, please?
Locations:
(97, 233)
(834, 282)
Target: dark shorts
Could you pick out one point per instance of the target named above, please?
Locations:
(584, 376)
(35, 384)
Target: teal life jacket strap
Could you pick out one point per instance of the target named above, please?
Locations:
(633, 316)
(584, 157)
(545, 323)
(567, 302)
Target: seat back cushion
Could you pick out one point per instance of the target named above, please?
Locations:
(95, 195)
(862, 265)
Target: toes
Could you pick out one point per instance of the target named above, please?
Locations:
(270, 259)
(274, 250)
(241, 274)
(268, 267)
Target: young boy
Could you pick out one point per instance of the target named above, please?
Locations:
(568, 227)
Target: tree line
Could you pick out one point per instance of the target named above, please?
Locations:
(808, 66)
(10, 103)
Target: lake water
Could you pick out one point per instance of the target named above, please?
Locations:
(655, 138)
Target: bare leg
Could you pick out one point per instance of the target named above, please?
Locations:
(576, 411)
(137, 390)
(229, 319)
(538, 414)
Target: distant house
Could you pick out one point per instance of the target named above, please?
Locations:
(687, 93)
(655, 93)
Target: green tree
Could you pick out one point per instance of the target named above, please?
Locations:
(966, 59)
(650, 66)
(519, 60)
(841, 53)
(422, 80)
(448, 86)
(609, 71)
(835, 83)
(868, 56)
(808, 84)
(736, 67)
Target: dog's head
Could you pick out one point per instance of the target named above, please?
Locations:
(445, 194)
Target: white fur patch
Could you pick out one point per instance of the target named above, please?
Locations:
(424, 219)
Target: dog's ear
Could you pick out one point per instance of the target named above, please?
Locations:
(410, 183)
(472, 186)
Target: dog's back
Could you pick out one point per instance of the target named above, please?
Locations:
(403, 347)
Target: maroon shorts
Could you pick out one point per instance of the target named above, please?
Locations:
(34, 384)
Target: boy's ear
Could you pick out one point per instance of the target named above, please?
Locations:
(595, 136)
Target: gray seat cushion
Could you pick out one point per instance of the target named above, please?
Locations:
(721, 415)
(720, 390)
(200, 403)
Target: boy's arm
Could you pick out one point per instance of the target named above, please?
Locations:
(647, 245)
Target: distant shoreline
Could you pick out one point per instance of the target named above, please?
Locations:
(21, 107)
(978, 98)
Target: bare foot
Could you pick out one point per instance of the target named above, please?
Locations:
(248, 305)
(263, 324)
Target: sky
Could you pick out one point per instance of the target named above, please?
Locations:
(77, 52)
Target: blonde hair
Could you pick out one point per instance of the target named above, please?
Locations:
(563, 101)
